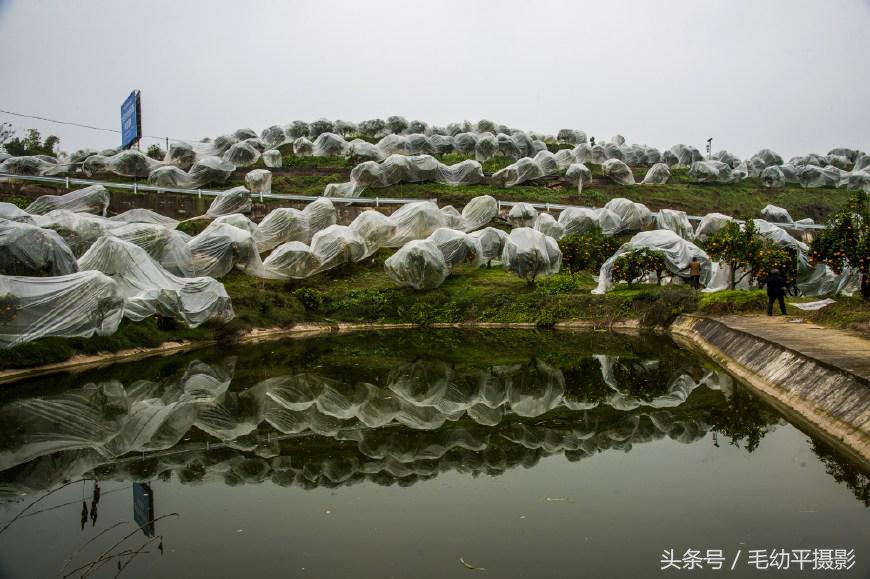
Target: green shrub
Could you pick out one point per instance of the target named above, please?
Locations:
(311, 299)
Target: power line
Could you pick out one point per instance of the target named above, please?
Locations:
(82, 125)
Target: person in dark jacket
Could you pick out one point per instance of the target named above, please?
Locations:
(775, 291)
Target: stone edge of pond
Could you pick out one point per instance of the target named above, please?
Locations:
(82, 363)
(830, 402)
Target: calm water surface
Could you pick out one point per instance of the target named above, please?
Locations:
(529, 454)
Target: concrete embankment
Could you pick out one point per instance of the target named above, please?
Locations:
(817, 377)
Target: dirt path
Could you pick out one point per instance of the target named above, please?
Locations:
(834, 348)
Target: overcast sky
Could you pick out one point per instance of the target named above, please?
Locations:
(791, 75)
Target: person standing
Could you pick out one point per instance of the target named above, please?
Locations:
(695, 272)
(775, 291)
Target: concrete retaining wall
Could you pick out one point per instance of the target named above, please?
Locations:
(833, 403)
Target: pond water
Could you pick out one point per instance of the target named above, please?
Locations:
(416, 454)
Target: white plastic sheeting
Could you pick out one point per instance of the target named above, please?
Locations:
(28, 250)
(93, 199)
(375, 228)
(478, 212)
(76, 305)
(337, 245)
(633, 216)
(711, 172)
(780, 236)
(11, 212)
(822, 281)
(547, 224)
(811, 176)
(166, 246)
(522, 215)
(578, 175)
(259, 181)
(281, 225)
(678, 254)
(145, 216)
(149, 289)
(543, 164)
(492, 242)
(272, 159)
(676, 221)
(416, 220)
(291, 260)
(419, 265)
(529, 253)
(775, 214)
(761, 160)
(579, 220)
(710, 224)
(457, 247)
(397, 169)
(812, 306)
(658, 174)
(78, 230)
(235, 200)
(618, 172)
(220, 247)
(320, 214)
(209, 170)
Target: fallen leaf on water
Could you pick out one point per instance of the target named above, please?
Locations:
(470, 566)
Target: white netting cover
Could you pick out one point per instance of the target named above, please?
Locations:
(492, 242)
(543, 164)
(397, 169)
(28, 250)
(811, 176)
(683, 155)
(237, 220)
(858, 181)
(375, 228)
(711, 172)
(775, 214)
(658, 174)
(457, 247)
(149, 289)
(220, 247)
(618, 172)
(609, 221)
(94, 199)
(320, 214)
(822, 281)
(13, 213)
(547, 224)
(522, 215)
(259, 181)
(780, 236)
(453, 217)
(235, 200)
(167, 247)
(578, 175)
(578, 220)
(861, 163)
(168, 176)
(419, 264)
(78, 230)
(272, 159)
(140, 215)
(416, 220)
(181, 155)
(761, 160)
(529, 253)
(633, 216)
(242, 154)
(30, 165)
(292, 260)
(209, 170)
(710, 224)
(479, 212)
(677, 251)
(76, 305)
(676, 221)
(337, 245)
(281, 225)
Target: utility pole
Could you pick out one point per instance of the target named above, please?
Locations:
(709, 148)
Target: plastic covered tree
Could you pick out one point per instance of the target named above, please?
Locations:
(845, 242)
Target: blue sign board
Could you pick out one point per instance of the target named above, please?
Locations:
(131, 120)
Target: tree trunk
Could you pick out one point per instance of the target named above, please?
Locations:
(865, 285)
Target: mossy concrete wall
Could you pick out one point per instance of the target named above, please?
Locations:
(832, 402)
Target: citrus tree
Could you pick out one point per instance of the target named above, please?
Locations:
(634, 264)
(588, 251)
(738, 246)
(845, 242)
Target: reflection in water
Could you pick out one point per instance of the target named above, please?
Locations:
(353, 411)
(436, 417)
